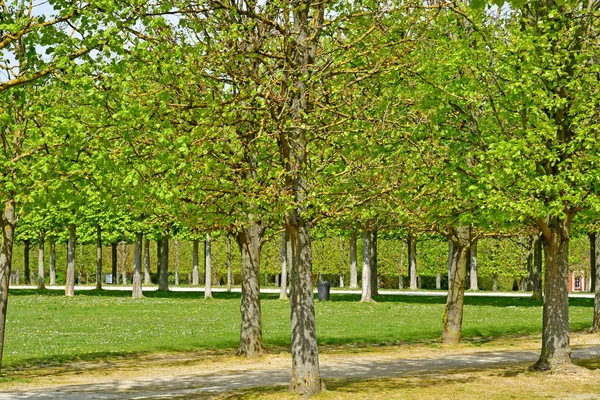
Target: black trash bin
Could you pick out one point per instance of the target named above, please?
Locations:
(323, 290)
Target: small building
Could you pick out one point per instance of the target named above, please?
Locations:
(577, 281)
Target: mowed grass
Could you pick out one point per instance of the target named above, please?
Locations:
(45, 327)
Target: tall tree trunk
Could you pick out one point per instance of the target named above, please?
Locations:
(353, 263)
(98, 257)
(124, 249)
(113, 263)
(284, 261)
(452, 331)
(250, 242)
(229, 276)
(41, 273)
(537, 268)
(8, 222)
(195, 271)
(438, 281)
(450, 260)
(163, 278)
(366, 294)
(592, 237)
(207, 268)
(52, 262)
(556, 349)
(136, 291)
(147, 272)
(70, 277)
(26, 269)
(596, 280)
(373, 259)
(158, 258)
(176, 262)
(530, 263)
(412, 260)
(473, 264)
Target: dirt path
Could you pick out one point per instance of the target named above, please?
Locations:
(188, 376)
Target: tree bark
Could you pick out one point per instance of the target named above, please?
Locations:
(41, 273)
(592, 237)
(136, 292)
(26, 269)
(124, 249)
(229, 275)
(250, 242)
(52, 262)
(412, 260)
(284, 261)
(452, 331)
(163, 271)
(70, 277)
(207, 268)
(98, 257)
(438, 281)
(147, 272)
(596, 279)
(537, 268)
(473, 264)
(373, 259)
(158, 258)
(176, 261)
(195, 273)
(530, 263)
(366, 294)
(450, 260)
(353, 263)
(113, 263)
(8, 222)
(556, 349)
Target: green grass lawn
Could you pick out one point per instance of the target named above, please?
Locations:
(45, 326)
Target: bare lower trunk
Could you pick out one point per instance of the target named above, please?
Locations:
(136, 292)
(412, 261)
(596, 280)
(366, 294)
(473, 264)
(176, 262)
(113, 263)
(284, 262)
(207, 268)
(529, 263)
(158, 259)
(537, 268)
(450, 260)
(373, 259)
(306, 375)
(452, 331)
(147, 272)
(52, 262)
(593, 237)
(26, 269)
(70, 276)
(353, 263)
(195, 270)
(556, 349)
(250, 243)
(163, 278)
(8, 222)
(41, 273)
(438, 281)
(98, 257)
(124, 250)
(229, 275)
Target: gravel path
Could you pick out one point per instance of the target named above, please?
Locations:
(356, 367)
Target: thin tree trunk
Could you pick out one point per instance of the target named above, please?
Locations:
(556, 349)
(450, 260)
(250, 242)
(136, 291)
(596, 279)
(207, 268)
(229, 275)
(592, 237)
(366, 294)
(8, 222)
(530, 263)
(147, 272)
(438, 281)
(353, 263)
(412, 261)
(26, 269)
(41, 274)
(158, 258)
(195, 272)
(98, 257)
(284, 261)
(494, 282)
(473, 275)
(52, 262)
(176, 262)
(373, 259)
(163, 279)
(124, 250)
(537, 268)
(70, 277)
(452, 330)
(113, 263)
